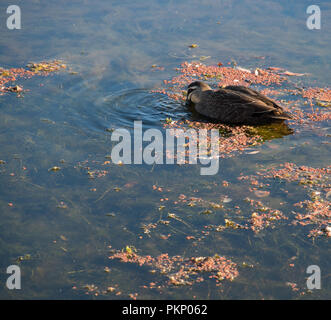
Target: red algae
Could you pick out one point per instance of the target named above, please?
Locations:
(261, 218)
(260, 221)
(315, 181)
(183, 271)
(303, 174)
(317, 213)
(293, 286)
(323, 94)
(223, 75)
(11, 75)
(237, 138)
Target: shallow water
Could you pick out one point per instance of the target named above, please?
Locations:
(59, 225)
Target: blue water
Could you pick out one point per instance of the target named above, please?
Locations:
(62, 223)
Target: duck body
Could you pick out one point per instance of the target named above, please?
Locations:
(234, 104)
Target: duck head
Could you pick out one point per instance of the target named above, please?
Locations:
(194, 90)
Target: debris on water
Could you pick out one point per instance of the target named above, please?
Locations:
(25, 257)
(293, 286)
(247, 265)
(181, 270)
(46, 66)
(261, 193)
(327, 231)
(169, 120)
(156, 67)
(315, 211)
(226, 199)
(11, 75)
(206, 211)
(289, 73)
(243, 69)
(47, 121)
(62, 205)
(225, 183)
(231, 224)
(55, 168)
(322, 94)
(111, 214)
(235, 140)
(15, 89)
(323, 104)
(202, 58)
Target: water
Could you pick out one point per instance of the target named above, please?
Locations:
(62, 223)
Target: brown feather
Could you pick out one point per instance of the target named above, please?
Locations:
(235, 105)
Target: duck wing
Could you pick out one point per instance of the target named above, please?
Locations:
(254, 94)
(236, 105)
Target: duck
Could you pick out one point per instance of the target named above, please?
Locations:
(235, 105)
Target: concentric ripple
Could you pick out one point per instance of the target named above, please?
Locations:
(126, 106)
(96, 109)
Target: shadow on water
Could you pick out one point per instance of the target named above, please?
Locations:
(269, 131)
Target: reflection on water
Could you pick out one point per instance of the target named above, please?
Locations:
(61, 226)
(272, 131)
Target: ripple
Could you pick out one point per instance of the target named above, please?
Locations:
(95, 106)
(124, 107)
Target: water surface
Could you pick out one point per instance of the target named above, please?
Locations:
(60, 224)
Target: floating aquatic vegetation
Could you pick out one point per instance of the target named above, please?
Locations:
(147, 227)
(156, 67)
(317, 183)
(261, 193)
(46, 67)
(23, 258)
(194, 201)
(183, 271)
(94, 173)
(230, 224)
(235, 139)
(10, 76)
(222, 76)
(305, 175)
(293, 286)
(260, 221)
(323, 94)
(261, 218)
(317, 212)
